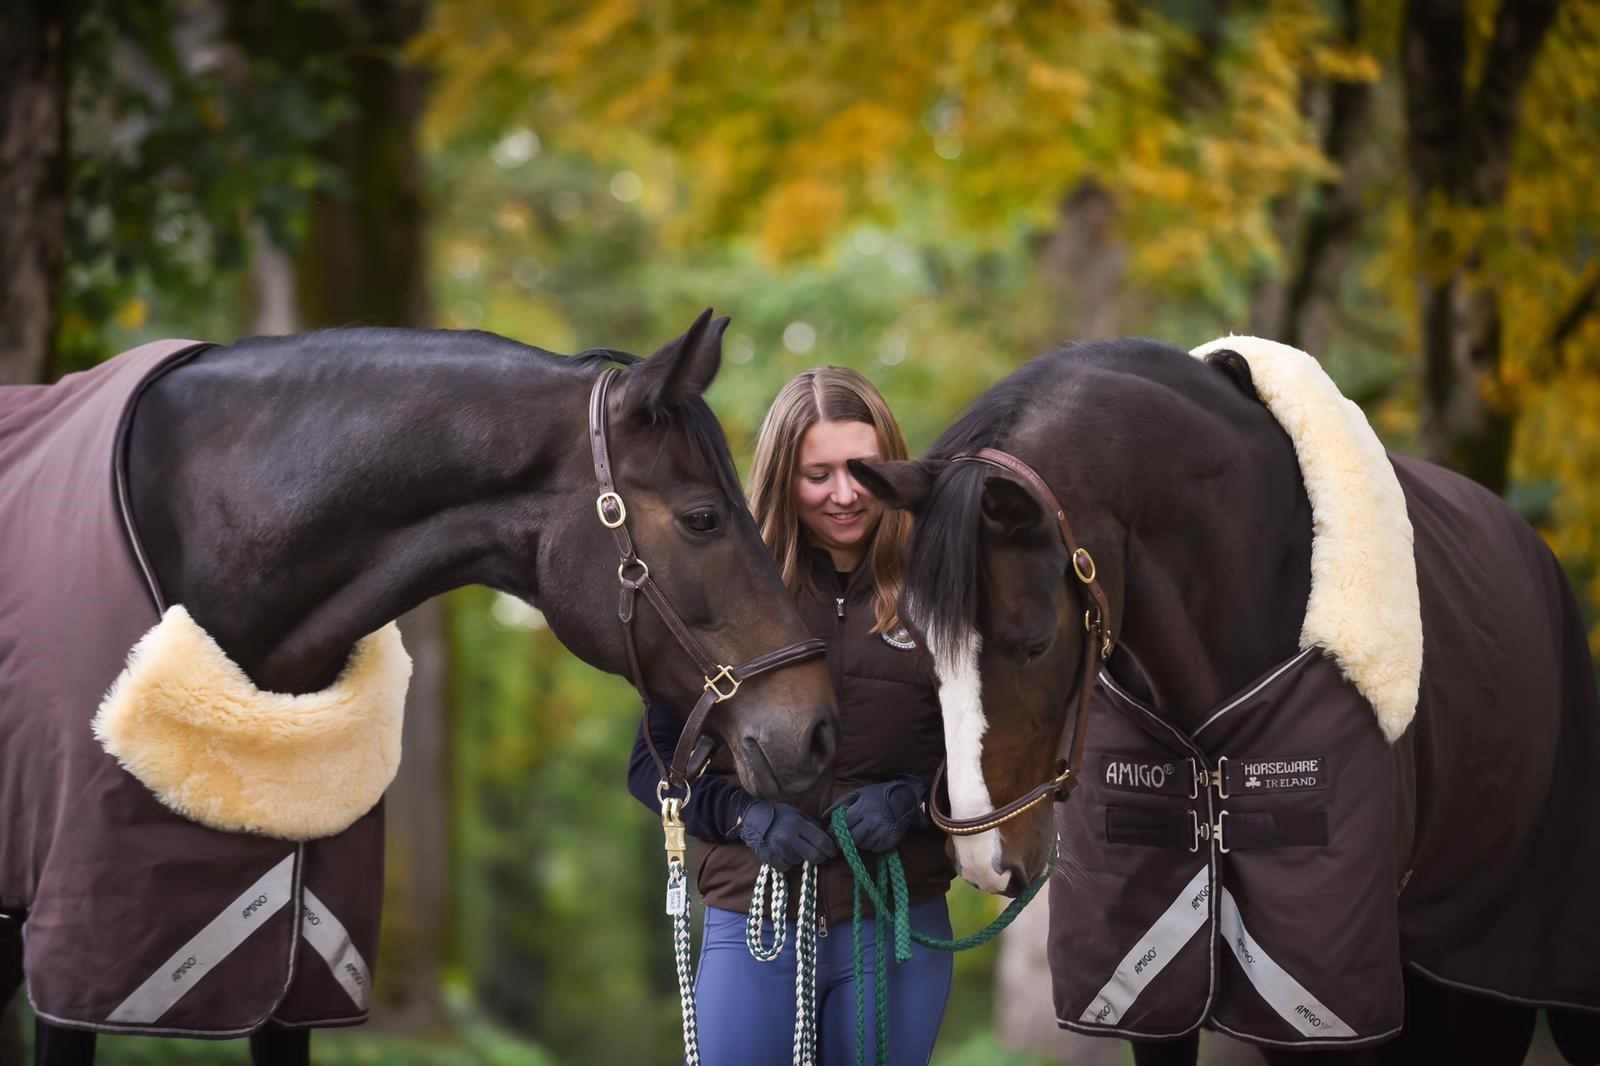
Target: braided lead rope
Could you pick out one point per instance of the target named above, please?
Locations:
(805, 971)
(777, 909)
(677, 906)
(891, 883)
(770, 900)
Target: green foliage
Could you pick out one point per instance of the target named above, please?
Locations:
(182, 145)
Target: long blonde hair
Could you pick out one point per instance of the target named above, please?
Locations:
(826, 394)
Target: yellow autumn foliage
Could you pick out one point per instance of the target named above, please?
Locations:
(787, 124)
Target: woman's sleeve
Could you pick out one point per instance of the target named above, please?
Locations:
(716, 801)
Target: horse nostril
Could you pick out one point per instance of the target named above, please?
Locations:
(1016, 881)
(824, 741)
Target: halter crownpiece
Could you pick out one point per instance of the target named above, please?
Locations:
(1096, 620)
(721, 682)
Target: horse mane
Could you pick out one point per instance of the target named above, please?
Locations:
(942, 573)
(942, 570)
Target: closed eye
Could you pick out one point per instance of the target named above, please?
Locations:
(703, 520)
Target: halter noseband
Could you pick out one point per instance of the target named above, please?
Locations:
(721, 682)
(1096, 620)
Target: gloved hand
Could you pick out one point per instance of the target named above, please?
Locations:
(880, 816)
(783, 836)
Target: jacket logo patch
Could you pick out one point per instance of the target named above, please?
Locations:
(899, 638)
(1133, 774)
(1278, 775)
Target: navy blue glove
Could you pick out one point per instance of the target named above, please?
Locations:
(880, 816)
(783, 836)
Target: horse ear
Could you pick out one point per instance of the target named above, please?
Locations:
(902, 484)
(682, 368)
(1235, 369)
(1008, 507)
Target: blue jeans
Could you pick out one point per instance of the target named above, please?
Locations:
(746, 1007)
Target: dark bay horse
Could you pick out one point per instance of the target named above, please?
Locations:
(287, 497)
(1329, 714)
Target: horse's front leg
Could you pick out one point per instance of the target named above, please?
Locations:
(1184, 1051)
(275, 1045)
(55, 1045)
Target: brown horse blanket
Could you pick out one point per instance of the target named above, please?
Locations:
(1365, 806)
(137, 919)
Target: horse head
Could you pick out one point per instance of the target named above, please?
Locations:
(666, 527)
(1153, 458)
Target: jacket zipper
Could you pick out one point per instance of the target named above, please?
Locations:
(837, 677)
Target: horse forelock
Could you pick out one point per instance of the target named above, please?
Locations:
(942, 571)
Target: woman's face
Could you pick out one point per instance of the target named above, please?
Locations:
(834, 510)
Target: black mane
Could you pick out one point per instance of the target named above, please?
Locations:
(942, 571)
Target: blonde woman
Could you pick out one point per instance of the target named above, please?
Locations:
(841, 556)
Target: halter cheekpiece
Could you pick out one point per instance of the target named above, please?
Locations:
(721, 682)
(1096, 621)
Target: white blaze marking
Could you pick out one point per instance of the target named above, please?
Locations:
(961, 701)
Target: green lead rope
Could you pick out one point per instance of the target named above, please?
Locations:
(891, 881)
(891, 902)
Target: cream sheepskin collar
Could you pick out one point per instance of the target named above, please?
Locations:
(1363, 609)
(188, 723)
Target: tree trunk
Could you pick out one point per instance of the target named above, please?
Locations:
(1320, 234)
(362, 263)
(33, 183)
(34, 80)
(1459, 141)
(1083, 264)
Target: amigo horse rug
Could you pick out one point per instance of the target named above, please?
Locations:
(139, 917)
(1415, 787)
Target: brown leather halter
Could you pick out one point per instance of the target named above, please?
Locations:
(1096, 620)
(721, 682)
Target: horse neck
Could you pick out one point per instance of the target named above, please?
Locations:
(362, 492)
(1194, 494)
(1215, 590)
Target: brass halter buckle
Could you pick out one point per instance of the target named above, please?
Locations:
(1083, 566)
(612, 511)
(723, 674)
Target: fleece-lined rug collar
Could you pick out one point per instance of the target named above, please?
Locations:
(1364, 608)
(187, 722)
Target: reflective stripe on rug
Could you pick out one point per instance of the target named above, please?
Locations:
(1286, 996)
(189, 965)
(1184, 917)
(328, 936)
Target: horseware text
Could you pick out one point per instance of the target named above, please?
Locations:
(1278, 775)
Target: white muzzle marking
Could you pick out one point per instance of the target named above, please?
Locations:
(961, 700)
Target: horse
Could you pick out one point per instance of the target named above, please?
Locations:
(1326, 715)
(250, 518)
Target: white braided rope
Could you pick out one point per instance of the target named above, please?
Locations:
(770, 900)
(805, 971)
(676, 879)
(776, 909)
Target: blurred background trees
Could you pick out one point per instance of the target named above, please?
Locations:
(931, 193)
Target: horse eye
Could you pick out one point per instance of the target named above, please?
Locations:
(704, 520)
